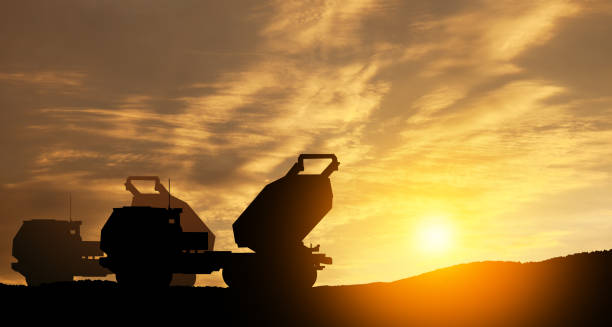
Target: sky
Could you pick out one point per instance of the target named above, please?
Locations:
(466, 130)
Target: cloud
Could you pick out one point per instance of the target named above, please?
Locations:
(482, 110)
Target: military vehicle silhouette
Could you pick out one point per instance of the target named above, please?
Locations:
(190, 221)
(145, 245)
(51, 250)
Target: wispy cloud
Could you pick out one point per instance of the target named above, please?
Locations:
(478, 110)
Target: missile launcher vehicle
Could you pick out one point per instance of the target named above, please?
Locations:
(189, 220)
(146, 245)
(51, 251)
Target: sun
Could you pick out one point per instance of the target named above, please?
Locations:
(434, 234)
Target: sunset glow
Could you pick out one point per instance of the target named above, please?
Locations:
(465, 130)
(434, 235)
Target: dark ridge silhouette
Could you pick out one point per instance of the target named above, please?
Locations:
(567, 291)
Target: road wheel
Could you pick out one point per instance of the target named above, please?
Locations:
(296, 277)
(141, 279)
(233, 277)
(37, 279)
(309, 277)
(183, 280)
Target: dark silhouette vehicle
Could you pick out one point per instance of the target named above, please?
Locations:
(145, 245)
(51, 250)
(189, 221)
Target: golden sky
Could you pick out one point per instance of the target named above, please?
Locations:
(487, 124)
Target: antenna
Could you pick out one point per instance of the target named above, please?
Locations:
(168, 193)
(70, 206)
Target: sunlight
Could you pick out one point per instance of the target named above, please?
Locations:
(434, 234)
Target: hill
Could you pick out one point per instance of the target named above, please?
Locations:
(565, 291)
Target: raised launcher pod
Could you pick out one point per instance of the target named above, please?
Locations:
(286, 210)
(51, 250)
(190, 221)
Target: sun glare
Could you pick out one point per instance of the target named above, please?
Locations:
(434, 235)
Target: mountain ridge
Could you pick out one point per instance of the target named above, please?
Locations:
(571, 290)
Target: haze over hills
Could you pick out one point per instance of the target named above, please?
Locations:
(572, 291)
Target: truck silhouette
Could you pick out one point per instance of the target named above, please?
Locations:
(50, 250)
(190, 221)
(146, 245)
